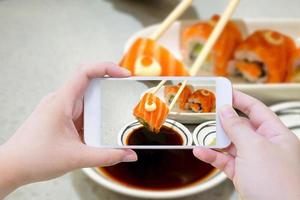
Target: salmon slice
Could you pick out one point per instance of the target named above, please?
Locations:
(152, 117)
(147, 58)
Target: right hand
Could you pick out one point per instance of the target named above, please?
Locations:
(263, 160)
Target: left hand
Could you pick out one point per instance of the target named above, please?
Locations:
(48, 145)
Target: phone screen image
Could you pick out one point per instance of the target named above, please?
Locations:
(136, 113)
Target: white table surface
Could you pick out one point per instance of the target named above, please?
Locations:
(43, 41)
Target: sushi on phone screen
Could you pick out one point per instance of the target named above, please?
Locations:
(195, 105)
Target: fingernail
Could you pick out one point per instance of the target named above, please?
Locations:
(130, 157)
(125, 71)
(196, 150)
(227, 112)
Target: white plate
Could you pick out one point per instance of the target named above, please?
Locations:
(187, 117)
(269, 93)
(289, 114)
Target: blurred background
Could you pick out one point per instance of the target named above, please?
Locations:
(43, 41)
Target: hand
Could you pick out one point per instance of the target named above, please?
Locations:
(48, 145)
(263, 160)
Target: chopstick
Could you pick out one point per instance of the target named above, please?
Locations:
(158, 86)
(208, 45)
(213, 37)
(164, 26)
(177, 94)
(177, 12)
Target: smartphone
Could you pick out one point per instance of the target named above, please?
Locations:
(109, 108)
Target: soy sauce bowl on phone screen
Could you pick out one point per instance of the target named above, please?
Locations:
(171, 133)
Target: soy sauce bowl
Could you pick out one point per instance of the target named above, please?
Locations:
(100, 177)
(205, 134)
(198, 187)
(177, 127)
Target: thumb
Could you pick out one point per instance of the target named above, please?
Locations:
(238, 130)
(75, 88)
(101, 157)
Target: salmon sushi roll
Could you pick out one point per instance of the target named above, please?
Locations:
(152, 112)
(202, 100)
(182, 102)
(294, 74)
(195, 36)
(147, 58)
(263, 57)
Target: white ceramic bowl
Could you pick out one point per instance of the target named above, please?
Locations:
(102, 179)
(205, 134)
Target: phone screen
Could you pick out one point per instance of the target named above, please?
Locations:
(131, 113)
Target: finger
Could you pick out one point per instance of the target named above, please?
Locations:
(77, 108)
(231, 150)
(237, 129)
(75, 88)
(257, 112)
(99, 157)
(219, 160)
(78, 123)
(260, 115)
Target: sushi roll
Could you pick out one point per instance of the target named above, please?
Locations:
(151, 111)
(194, 37)
(147, 58)
(182, 102)
(263, 57)
(202, 100)
(294, 74)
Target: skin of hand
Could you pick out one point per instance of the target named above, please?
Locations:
(48, 144)
(263, 160)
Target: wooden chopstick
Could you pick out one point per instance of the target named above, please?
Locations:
(177, 94)
(177, 12)
(158, 86)
(213, 37)
(208, 45)
(164, 26)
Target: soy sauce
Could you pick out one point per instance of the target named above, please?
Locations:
(166, 136)
(159, 169)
